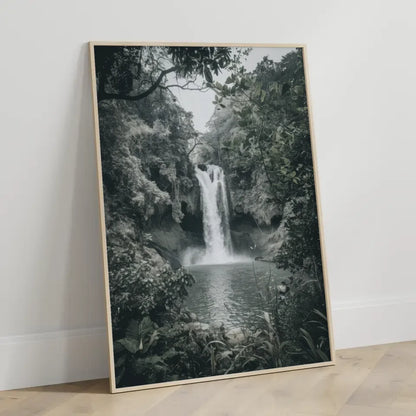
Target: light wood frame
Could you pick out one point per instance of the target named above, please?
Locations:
(113, 387)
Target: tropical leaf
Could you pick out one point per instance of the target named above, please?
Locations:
(130, 344)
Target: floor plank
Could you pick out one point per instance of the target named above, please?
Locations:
(371, 381)
(388, 378)
(406, 398)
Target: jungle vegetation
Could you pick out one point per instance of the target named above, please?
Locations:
(259, 134)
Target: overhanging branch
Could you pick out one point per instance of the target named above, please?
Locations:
(106, 96)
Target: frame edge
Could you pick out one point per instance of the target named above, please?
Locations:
(318, 206)
(113, 388)
(102, 217)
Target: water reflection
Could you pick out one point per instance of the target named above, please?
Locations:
(228, 293)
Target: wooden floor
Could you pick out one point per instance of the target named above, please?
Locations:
(371, 381)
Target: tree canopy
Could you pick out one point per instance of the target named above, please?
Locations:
(134, 72)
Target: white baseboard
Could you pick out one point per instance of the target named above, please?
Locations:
(74, 355)
(53, 358)
(372, 322)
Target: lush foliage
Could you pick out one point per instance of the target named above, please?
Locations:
(147, 175)
(181, 349)
(260, 136)
(134, 73)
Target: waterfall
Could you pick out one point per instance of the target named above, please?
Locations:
(215, 210)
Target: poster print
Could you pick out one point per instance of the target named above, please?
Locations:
(211, 235)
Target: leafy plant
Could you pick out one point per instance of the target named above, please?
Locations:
(316, 337)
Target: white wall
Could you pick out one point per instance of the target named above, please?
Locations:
(362, 69)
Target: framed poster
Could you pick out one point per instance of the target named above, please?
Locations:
(212, 239)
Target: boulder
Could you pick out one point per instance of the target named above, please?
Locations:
(235, 336)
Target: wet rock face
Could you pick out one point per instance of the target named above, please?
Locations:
(173, 239)
(191, 222)
(242, 221)
(256, 219)
(243, 242)
(190, 196)
(256, 239)
(175, 227)
(253, 203)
